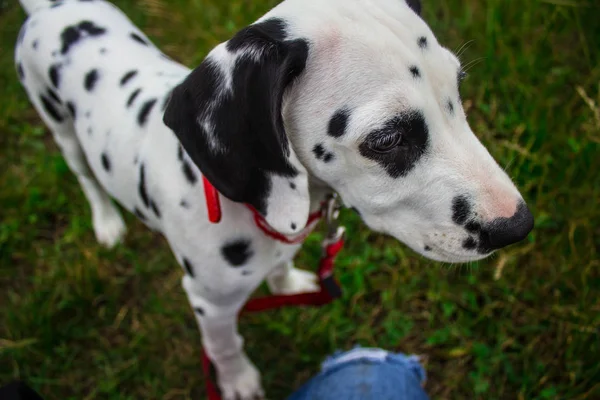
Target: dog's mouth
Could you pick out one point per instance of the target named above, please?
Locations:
(438, 253)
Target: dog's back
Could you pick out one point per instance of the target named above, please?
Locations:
(101, 86)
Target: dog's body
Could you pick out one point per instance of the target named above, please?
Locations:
(102, 88)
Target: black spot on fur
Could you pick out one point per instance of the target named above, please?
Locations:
(139, 214)
(414, 143)
(189, 173)
(319, 151)
(138, 38)
(91, 78)
(35, 44)
(155, 209)
(54, 74)
(102, 50)
(461, 209)
(256, 136)
(143, 191)
(293, 226)
(71, 35)
(338, 123)
(273, 28)
(422, 42)
(184, 204)
(473, 227)
(415, 5)
(199, 310)
(72, 109)
(105, 162)
(127, 77)
(292, 185)
(91, 29)
(322, 154)
(180, 152)
(142, 187)
(247, 273)
(237, 252)
(469, 243)
(52, 94)
(132, 97)
(427, 248)
(189, 268)
(145, 111)
(20, 71)
(416, 73)
(50, 109)
(450, 107)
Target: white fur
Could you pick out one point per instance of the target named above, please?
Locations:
(359, 54)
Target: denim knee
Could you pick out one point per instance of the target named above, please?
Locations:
(366, 374)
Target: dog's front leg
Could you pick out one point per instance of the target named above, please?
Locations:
(238, 378)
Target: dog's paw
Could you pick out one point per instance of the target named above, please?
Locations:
(243, 384)
(294, 281)
(109, 227)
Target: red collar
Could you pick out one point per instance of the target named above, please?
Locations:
(213, 204)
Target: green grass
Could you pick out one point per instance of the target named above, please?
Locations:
(80, 322)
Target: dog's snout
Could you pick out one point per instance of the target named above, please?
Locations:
(505, 231)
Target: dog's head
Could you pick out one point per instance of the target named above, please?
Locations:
(359, 96)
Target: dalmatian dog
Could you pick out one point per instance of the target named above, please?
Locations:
(355, 97)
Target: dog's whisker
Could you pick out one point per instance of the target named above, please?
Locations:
(462, 49)
(509, 163)
(458, 50)
(472, 63)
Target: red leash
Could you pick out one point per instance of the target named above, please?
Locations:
(329, 287)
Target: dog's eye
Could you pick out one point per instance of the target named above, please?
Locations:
(386, 143)
(462, 75)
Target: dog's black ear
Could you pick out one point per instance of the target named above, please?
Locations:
(415, 5)
(227, 115)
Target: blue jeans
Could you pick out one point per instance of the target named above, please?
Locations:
(366, 374)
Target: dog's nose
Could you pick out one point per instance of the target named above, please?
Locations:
(504, 231)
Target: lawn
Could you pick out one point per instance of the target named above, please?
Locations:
(81, 322)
